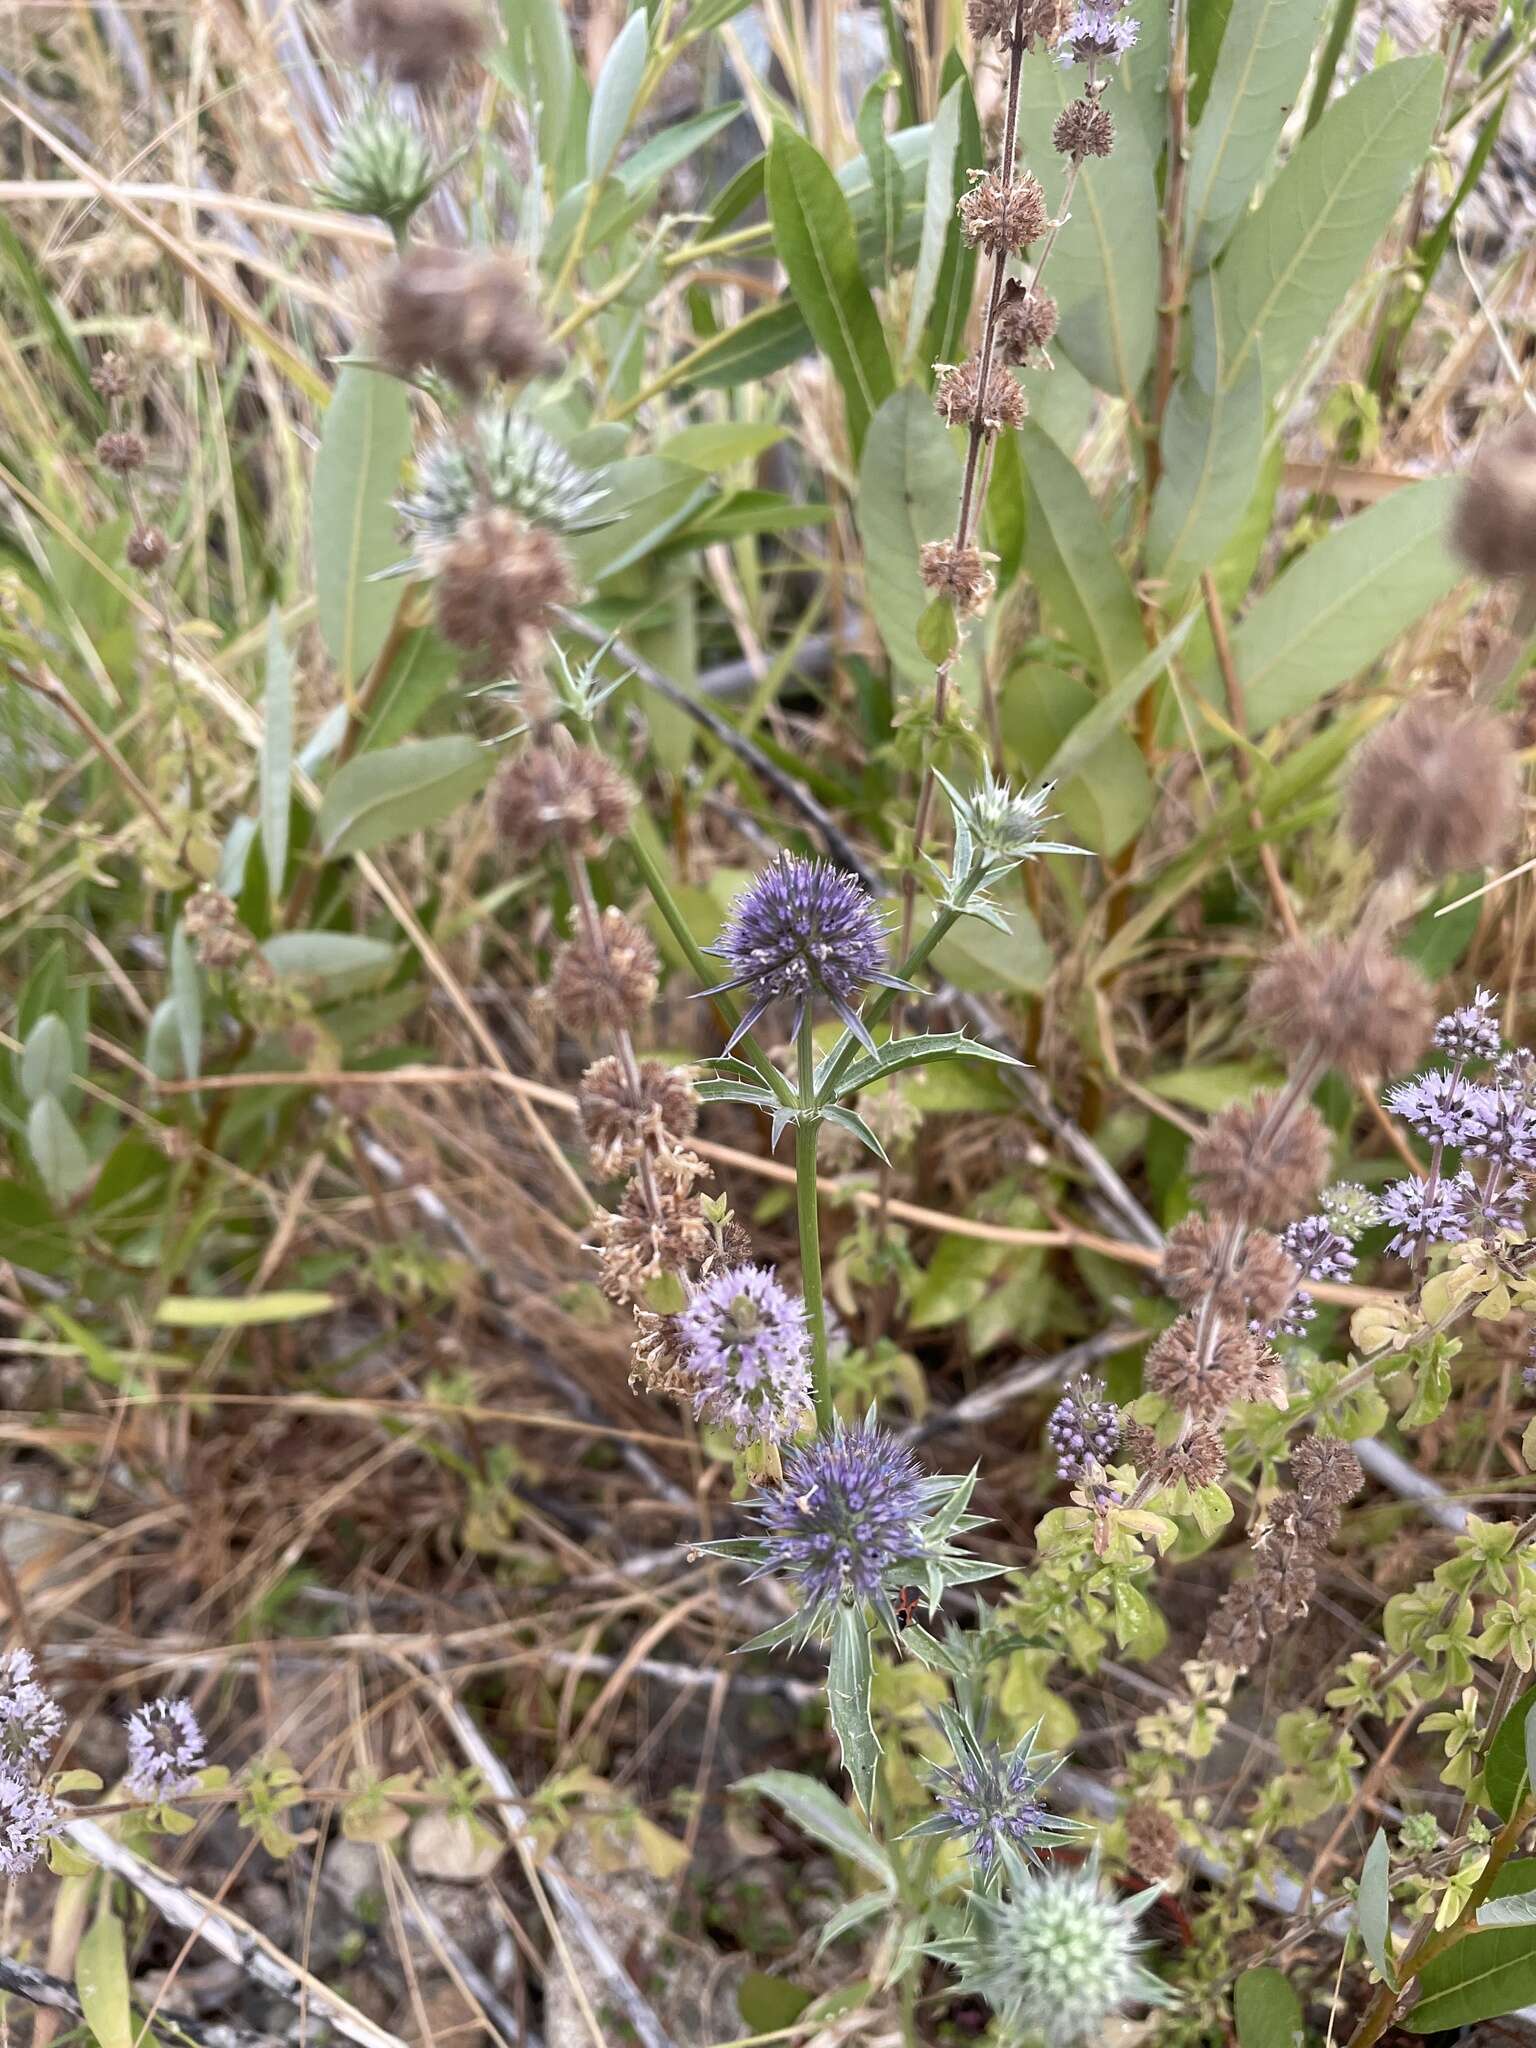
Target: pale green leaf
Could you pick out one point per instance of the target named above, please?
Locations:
(187, 1000)
(382, 795)
(1267, 2011)
(1372, 1908)
(328, 956)
(240, 1312)
(1483, 1975)
(812, 1806)
(101, 1979)
(365, 439)
(1085, 591)
(276, 765)
(939, 195)
(47, 1058)
(61, 1160)
(613, 97)
(1212, 447)
(909, 488)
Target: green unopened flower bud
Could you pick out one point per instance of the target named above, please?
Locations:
(381, 166)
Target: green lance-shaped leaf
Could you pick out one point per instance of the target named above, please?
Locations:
(101, 1979)
(380, 796)
(849, 1679)
(821, 1813)
(336, 958)
(1267, 2010)
(187, 1001)
(1212, 447)
(1342, 604)
(1289, 266)
(909, 486)
(542, 67)
(1372, 1908)
(276, 765)
(940, 191)
(1507, 1775)
(1067, 551)
(366, 437)
(813, 234)
(614, 96)
(47, 1059)
(1485, 1974)
(1265, 52)
(62, 1162)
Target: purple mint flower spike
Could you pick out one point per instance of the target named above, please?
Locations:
(165, 1750)
(1421, 1215)
(1505, 1128)
(1472, 1032)
(750, 1353)
(1319, 1251)
(803, 928)
(1485, 1211)
(30, 1718)
(28, 1817)
(848, 1514)
(1095, 33)
(1084, 1428)
(1441, 1105)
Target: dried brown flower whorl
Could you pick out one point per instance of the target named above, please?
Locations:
(1004, 217)
(418, 42)
(1084, 129)
(1477, 15)
(956, 572)
(1026, 321)
(213, 925)
(1199, 1458)
(1367, 1011)
(121, 453)
(1151, 1842)
(1494, 524)
(463, 313)
(113, 376)
(146, 548)
(660, 1354)
(1257, 1278)
(1204, 1388)
(609, 984)
(569, 797)
(1039, 20)
(636, 1243)
(1325, 1470)
(1434, 789)
(497, 582)
(958, 402)
(624, 1116)
(1252, 1174)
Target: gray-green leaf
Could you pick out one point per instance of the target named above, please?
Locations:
(909, 487)
(61, 1160)
(1067, 551)
(187, 997)
(821, 1813)
(849, 1679)
(1267, 2011)
(333, 957)
(276, 755)
(1372, 1909)
(613, 98)
(380, 796)
(938, 211)
(366, 437)
(47, 1058)
(101, 1978)
(1212, 445)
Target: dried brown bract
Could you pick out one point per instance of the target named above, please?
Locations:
(1151, 1842)
(958, 400)
(497, 583)
(1084, 129)
(114, 376)
(606, 982)
(1434, 790)
(1026, 321)
(1253, 1276)
(1246, 1170)
(1198, 1459)
(1175, 1369)
(213, 925)
(649, 1234)
(146, 548)
(1325, 1470)
(1477, 16)
(1494, 524)
(1038, 21)
(1003, 216)
(463, 313)
(572, 798)
(418, 42)
(120, 453)
(1362, 1008)
(625, 1114)
(958, 573)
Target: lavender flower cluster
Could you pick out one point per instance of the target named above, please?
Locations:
(165, 1751)
(749, 1354)
(1097, 34)
(1084, 1429)
(30, 1725)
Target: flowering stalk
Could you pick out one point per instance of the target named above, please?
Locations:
(807, 1211)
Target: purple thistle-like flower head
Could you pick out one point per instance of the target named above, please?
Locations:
(1422, 1215)
(848, 1516)
(1497, 1206)
(750, 1354)
(1084, 1429)
(1095, 33)
(1442, 1105)
(803, 928)
(1503, 1128)
(31, 1720)
(1472, 1032)
(992, 1798)
(165, 1750)
(28, 1817)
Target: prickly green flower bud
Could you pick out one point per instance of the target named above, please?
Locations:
(525, 471)
(381, 166)
(1055, 1956)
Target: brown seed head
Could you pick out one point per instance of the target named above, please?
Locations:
(113, 376)
(463, 313)
(1234, 1636)
(1198, 1459)
(1477, 15)
(1435, 789)
(213, 925)
(1026, 321)
(1151, 1842)
(1253, 1277)
(501, 328)
(146, 548)
(1494, 524)
(956, 572)
(121, 453)
(1254, 1174)
(1004, 216)
(1174, 1369)
(660, 1353)
(624, 1116)
(663, 1231)
(1365, 1010)
(958, 401)
(418, 42)
(572, 798)
(1325, 1470)
(606, 983)
(1084, 129)
(497, 582)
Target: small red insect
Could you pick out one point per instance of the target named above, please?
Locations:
(906, 1605)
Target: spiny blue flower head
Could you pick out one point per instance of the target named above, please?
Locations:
(848, 1516)
(1504, 1128)
(1421, 1214)
(1084, 1428)
(28, 1818)
(749, 1352)
(31, 1720)
(803, 929)
(1472, 1032)
(993, 1796)
(1096, 33)
(1442, 1105)
(165, 1750)
(1055, 1956)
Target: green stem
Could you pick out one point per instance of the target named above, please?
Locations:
(807, 1209)
(838, 1060)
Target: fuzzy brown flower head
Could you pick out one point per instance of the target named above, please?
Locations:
(1366, 1010)
(463, 313)
(1251, 1368)
(1256, 1278)
(1198, 1459)
(121, 453)
(1251, 1173)
(1494, 524)
(1003, 216)
(1477, 15)
(1175, 1370)
(1026, 321)
(572, 798)
(1039, 21)
(417, 42)
(1151, 1842)
(1234, 1635)
(958, 399)
(1325, 1470)
(607, 982)
(958, 573)
(213, 925)
(1297, 1525)
(1083, 129)
(625, 1114)
(113, 376)
(650, 1233)
(1435, 790)
(497, 583)
(660, 1355)
(146, 548)
(1138, 1444)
